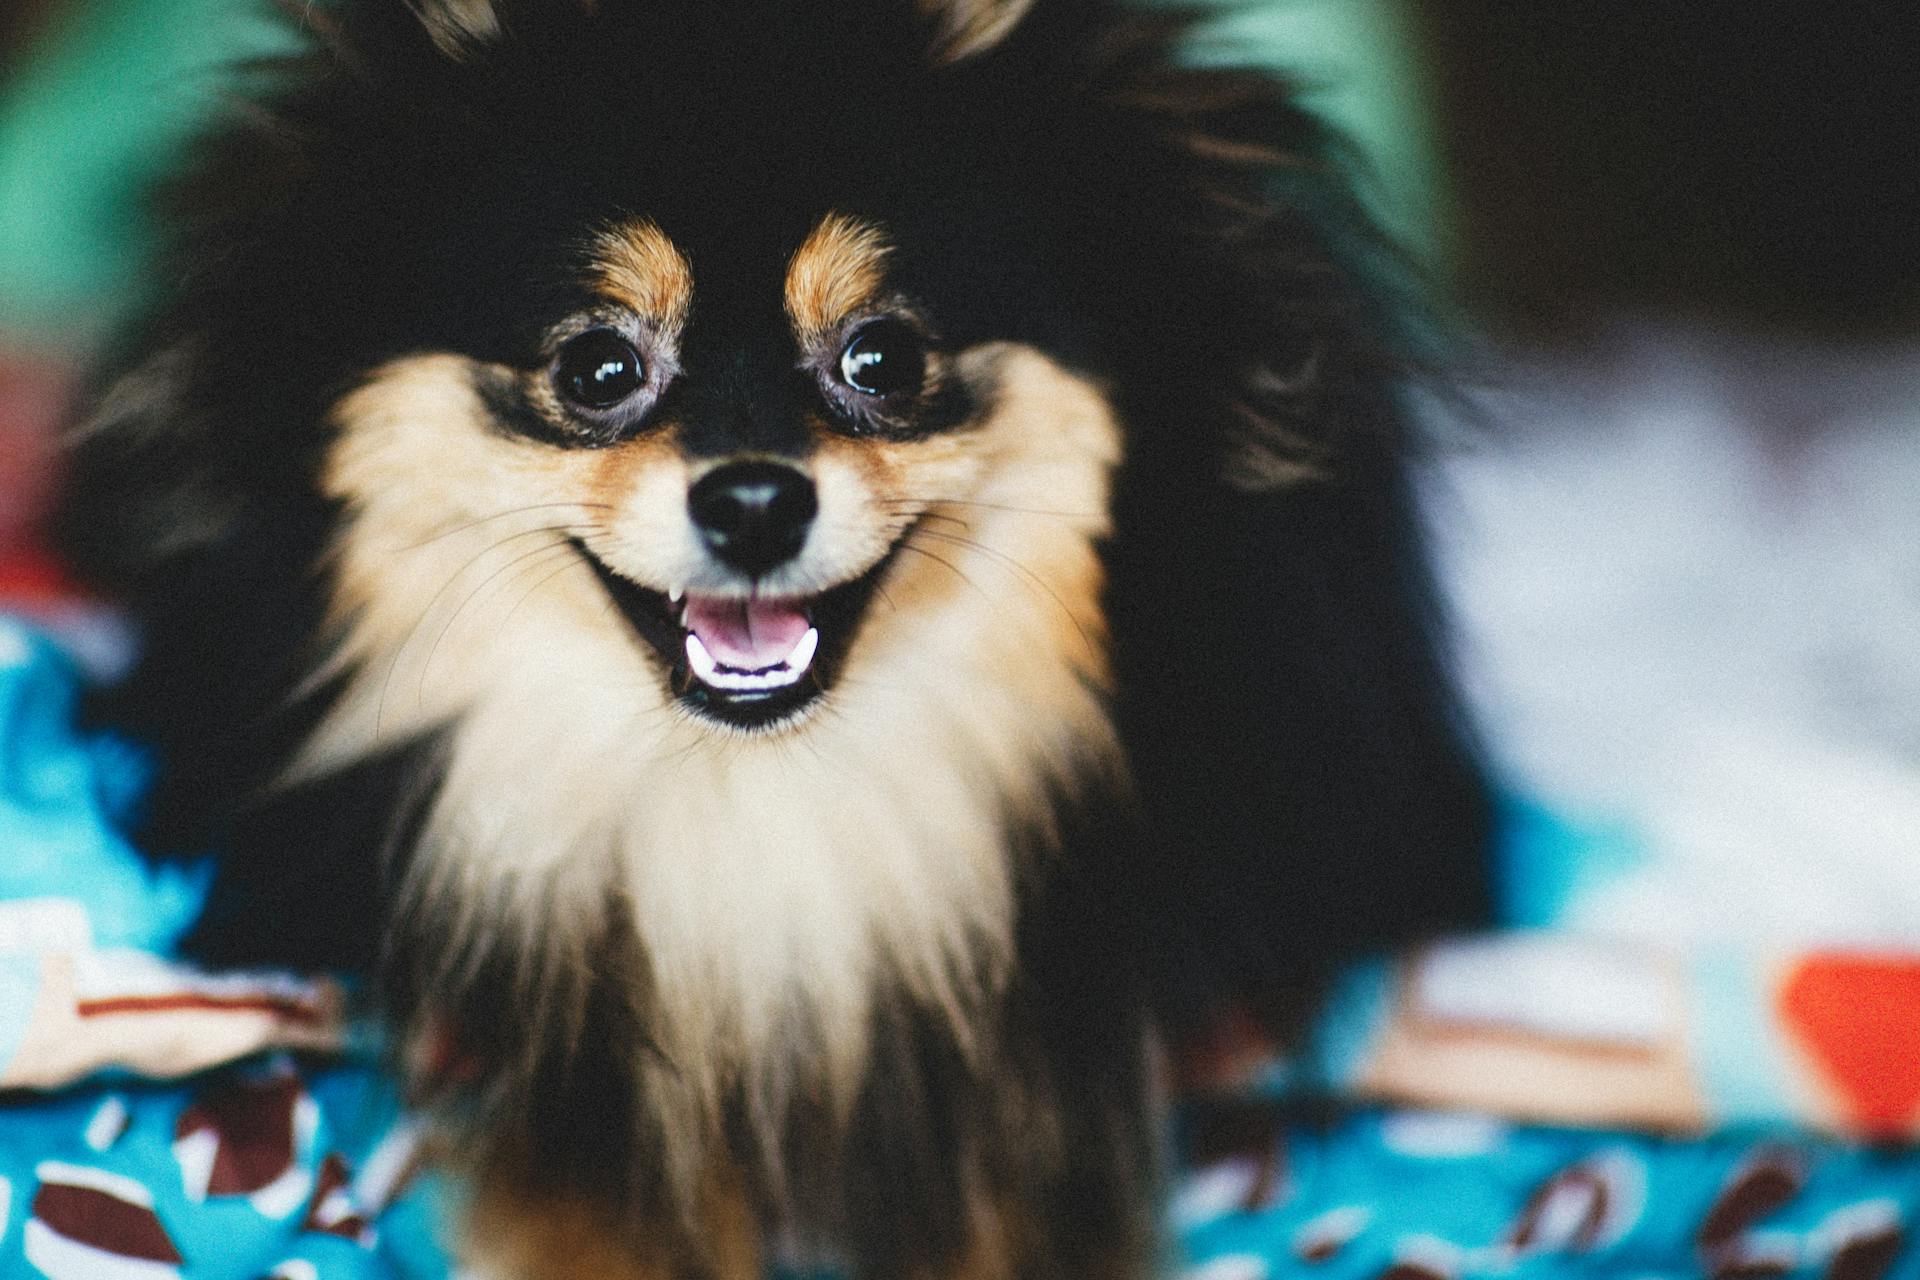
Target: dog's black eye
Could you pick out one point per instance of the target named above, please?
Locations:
(886, 358)
(598, 369)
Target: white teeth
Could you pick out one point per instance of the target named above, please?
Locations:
(676, 595)
(802, 656)
(788, 671)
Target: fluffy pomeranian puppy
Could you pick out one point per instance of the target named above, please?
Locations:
(768, 562)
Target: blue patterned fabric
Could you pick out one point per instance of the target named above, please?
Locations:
(306, 1168)
(99, 1185)
(1408, 1195)
(297, 1168)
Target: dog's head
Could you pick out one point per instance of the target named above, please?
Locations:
(745, 338)
(728, 378)
(731, 454)
(604, 383)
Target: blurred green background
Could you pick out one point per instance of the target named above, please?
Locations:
(97, 93)
(1551, 165)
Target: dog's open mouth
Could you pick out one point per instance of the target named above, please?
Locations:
(748, 646)
(749, 662)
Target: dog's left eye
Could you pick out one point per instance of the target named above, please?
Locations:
(886, 358)
(598, 369)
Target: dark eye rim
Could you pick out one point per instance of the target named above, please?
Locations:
(643, 362)
(865, 327)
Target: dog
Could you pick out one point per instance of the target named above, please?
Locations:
(782, 570)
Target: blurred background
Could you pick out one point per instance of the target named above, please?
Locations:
(1673, 497)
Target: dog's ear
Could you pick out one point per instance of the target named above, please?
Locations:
(458, 27)
(965, 28)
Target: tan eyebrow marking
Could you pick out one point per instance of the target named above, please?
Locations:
(640, 267)
(839, 269)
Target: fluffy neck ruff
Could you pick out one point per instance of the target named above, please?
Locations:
(774, 884)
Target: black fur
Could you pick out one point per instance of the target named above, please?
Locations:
(1182, 235)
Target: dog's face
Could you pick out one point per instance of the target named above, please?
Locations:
(764, 464)
(734, 470)
(724, 409)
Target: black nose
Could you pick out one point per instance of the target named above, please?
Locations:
(753, 515)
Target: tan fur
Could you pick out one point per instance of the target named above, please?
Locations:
(1007, 1241)
(837, 271)
(514, 1234)
(639, 267)
(774, 879)
(969, 27)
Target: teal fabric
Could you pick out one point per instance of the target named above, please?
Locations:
(65, 794)
(1396, 1195)
(97, 112)
(1352, 1195)
(1359, 63)
(219, 1237)
(113, 89)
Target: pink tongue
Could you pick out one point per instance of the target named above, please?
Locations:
(747, 635)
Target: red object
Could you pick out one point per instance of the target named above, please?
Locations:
(35, 393)
(32, 578)
(280, 1006)
(1858, 1018)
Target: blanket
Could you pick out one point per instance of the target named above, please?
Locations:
(161, 1123)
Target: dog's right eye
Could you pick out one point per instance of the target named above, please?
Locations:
(598, 369)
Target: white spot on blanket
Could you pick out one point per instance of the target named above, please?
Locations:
(109, 1121)
(1441, 1135)
(14, 649)
(1565, 988)
(1233, 1266)
(1213, 1192)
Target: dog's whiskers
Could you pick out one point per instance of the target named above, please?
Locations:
(386, 684)
(529, 593)
(1029, 575)
(502, 515)
(939, 501)
(908, 545)
(426, 668)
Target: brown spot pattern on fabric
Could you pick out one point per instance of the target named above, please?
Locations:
(252, 1121)
(1320, 1249)
(1758, 1187)
(1867, 1256)
(332, 1211)
(1755, 1268)
(104, 1221)
(1405, 1270)
(1573, 1205)
(1327, 1236)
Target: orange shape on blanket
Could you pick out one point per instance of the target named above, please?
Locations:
(1858, 1017)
